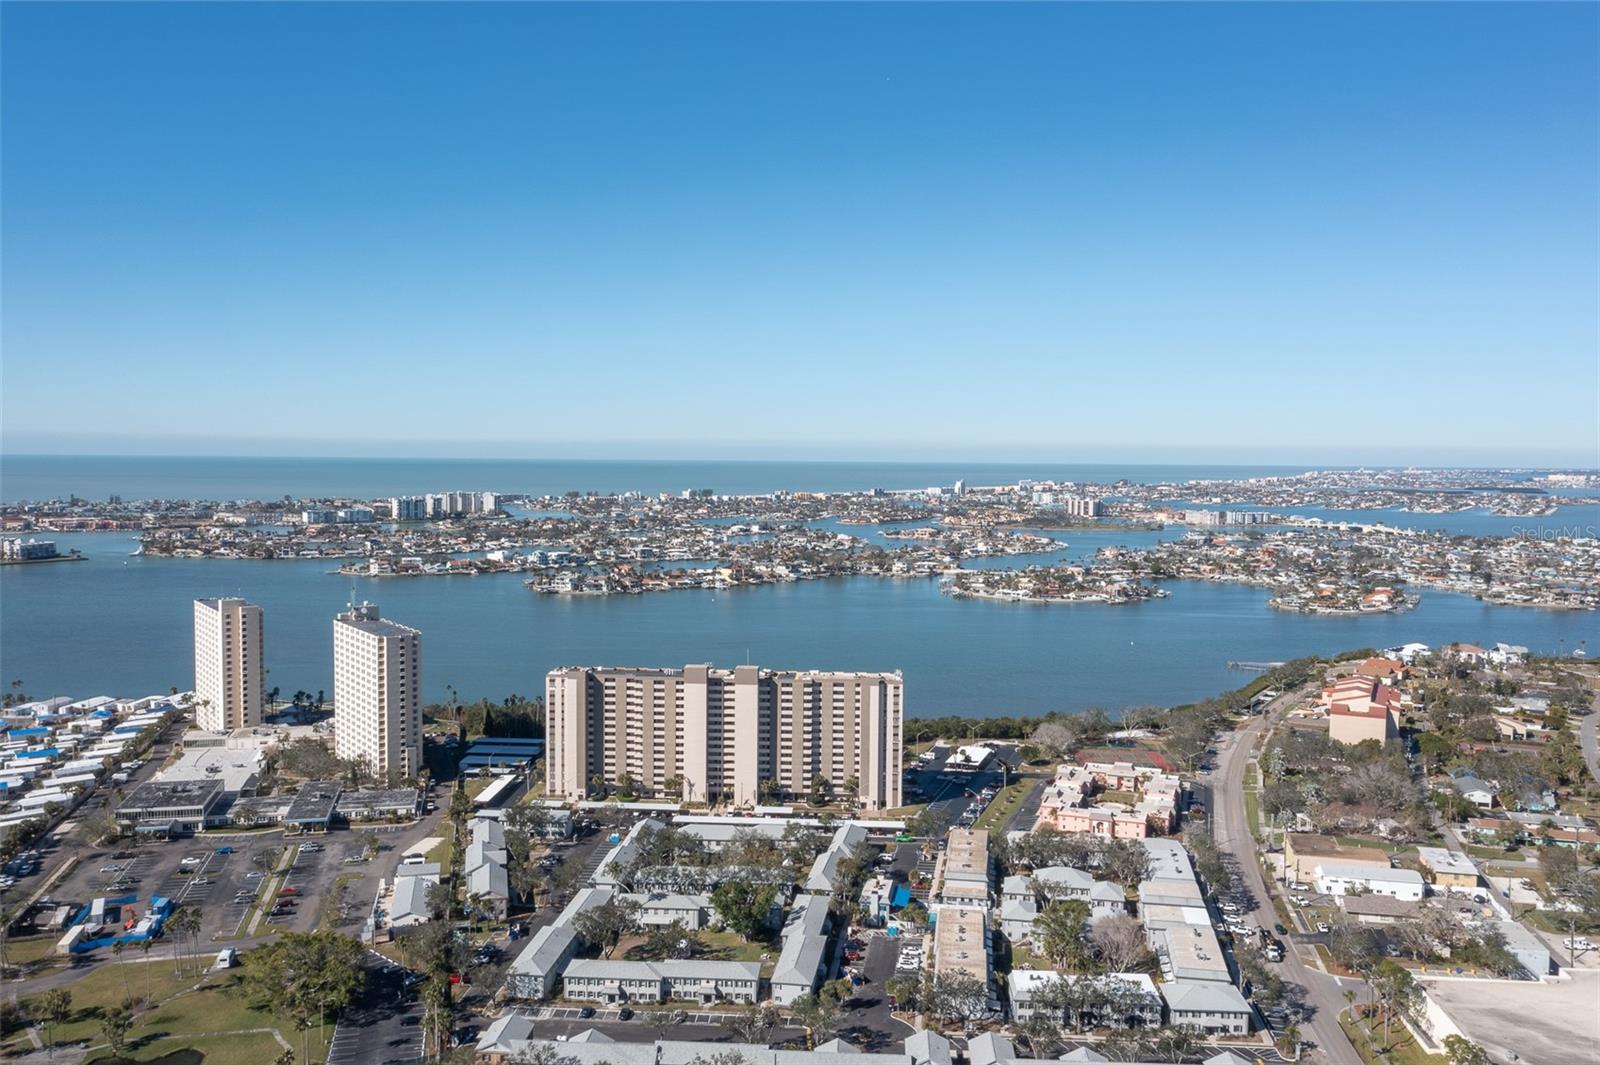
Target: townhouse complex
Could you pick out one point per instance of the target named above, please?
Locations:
(736, 735)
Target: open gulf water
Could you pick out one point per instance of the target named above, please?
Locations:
(120, 624)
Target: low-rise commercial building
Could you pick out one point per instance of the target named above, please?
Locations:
(166, 807)
(1338, 878)
(1448, 870)
(1304, 851)
(965, 873)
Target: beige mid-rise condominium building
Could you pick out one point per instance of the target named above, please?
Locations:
(706, 734)
(377, 685)
(229, 677)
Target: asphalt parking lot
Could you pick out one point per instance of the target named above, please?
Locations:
(385, 1027)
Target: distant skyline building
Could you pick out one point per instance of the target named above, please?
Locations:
(377, 685)
(709, 734)
(229, 674)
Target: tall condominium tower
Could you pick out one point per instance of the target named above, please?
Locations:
(718, 734)
(229, 678)
(377, 684)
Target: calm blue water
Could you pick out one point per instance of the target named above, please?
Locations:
(123, 626)
(98, 476)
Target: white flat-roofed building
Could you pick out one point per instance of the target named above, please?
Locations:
(1448, 870)
(1337, 878)
(377, 691)
(961, 942)
(239, 770)
(1168, 859)
(1190, 953)
(229, 674)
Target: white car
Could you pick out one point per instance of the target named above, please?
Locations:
(190, 861)
(1579, 944)
(1322, 926)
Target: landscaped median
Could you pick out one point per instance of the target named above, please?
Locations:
(1366, 1035)
(995, 815)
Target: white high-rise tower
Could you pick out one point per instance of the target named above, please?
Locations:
(377, 686)
(229, 677)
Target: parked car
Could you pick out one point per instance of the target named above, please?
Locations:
(1322, 926)
(586, 1012)
(191, 860)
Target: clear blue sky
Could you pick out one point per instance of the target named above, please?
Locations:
(1304, 232)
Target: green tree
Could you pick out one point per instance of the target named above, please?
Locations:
(605, 924)
(114, 1024)
(955, 996)
(1462, 1051)
(818, 1016)
(743, 906)
(1060, 930)
(754, 1023)
(905, 990)
(304, 976)
(52, 1008)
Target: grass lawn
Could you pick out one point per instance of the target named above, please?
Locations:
(904, 813)
(184, 1017)
(441, 851)
(1367, 1036)
(730, 946)
(1004, 805)
(31, 949)
(255, 1048)
(1491, 853)
(722, 945)
(1373, 841)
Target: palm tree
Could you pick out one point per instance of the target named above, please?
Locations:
(116, 953)
(144, 949)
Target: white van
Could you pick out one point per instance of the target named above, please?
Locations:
(227, 958)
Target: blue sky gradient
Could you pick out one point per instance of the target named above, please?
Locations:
(1320, 233)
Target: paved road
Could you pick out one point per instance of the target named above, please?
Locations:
(1587, 739)
(1324, 996)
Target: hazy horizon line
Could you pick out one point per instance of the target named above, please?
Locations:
(1387, 464)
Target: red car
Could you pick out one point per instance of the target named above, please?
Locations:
(288, 891)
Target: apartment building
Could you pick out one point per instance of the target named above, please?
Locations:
(229, 678)
(705, 734)
(377, 684)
